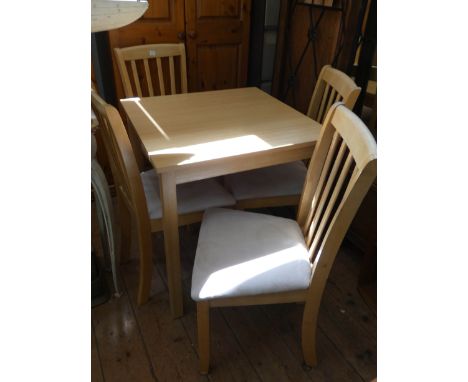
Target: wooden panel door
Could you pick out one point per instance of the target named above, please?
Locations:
(163, 22)
(217, 43)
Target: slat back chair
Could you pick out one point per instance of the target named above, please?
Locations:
(342, 168)
(128, 186)
(138, 194)
(332, 86)
(142, 69)
(281, 185)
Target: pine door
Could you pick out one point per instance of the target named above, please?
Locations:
(217, 41)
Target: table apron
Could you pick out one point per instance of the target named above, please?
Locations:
(224, 166)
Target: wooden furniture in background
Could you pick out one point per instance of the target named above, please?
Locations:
(282, 185)
(195, 136)
(146, 68)
(138, 194)
(216, 35)
(246, 258)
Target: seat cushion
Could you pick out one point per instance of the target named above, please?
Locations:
(281, 180)
(244, 253)
(191, 197)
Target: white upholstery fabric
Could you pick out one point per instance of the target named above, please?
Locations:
(281, 180)
(191, 197)
(243, 253)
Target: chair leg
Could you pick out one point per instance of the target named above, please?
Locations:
(146, 265)
(203, 321)
(309, 329)
(125, 232)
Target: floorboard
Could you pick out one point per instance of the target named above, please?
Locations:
(96, 370)
(268, 354)
(353, 342)
(170, 350)
(287, 318)
(121, 346)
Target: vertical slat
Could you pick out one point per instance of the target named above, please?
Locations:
(148, 78)
(183, 73)
(123, 73)
(160, 76)
(322, 103)
(136, 79)
(331, 203)
(331, 100)
(316, 98)
(336, 98)
(315, 168)
(325, 193)
(171, 71)
(352, 181)
(323, 176)
(355, 172)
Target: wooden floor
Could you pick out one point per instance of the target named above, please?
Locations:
(262, 343)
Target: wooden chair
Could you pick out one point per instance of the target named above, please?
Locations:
(142, 69)
(148, 70)
(246, 258)
(138, 193)
(282, 185)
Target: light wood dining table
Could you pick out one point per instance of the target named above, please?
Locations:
(194, 136)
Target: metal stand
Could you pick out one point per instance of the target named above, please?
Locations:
(104, 212)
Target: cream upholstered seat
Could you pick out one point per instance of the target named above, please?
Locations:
(245, 258)
(281, 185)
(191, 197)
(273, 181)
(244, 253)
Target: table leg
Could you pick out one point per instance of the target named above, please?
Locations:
(171, 242)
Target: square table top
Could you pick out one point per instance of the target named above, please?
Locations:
(182, 129)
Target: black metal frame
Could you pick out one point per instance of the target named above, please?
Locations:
(101, 58)
(338, 6)
(369, 44)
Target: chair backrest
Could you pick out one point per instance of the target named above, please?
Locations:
(332, 86)
(142, 69)
(341, 171)
(124, 168)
